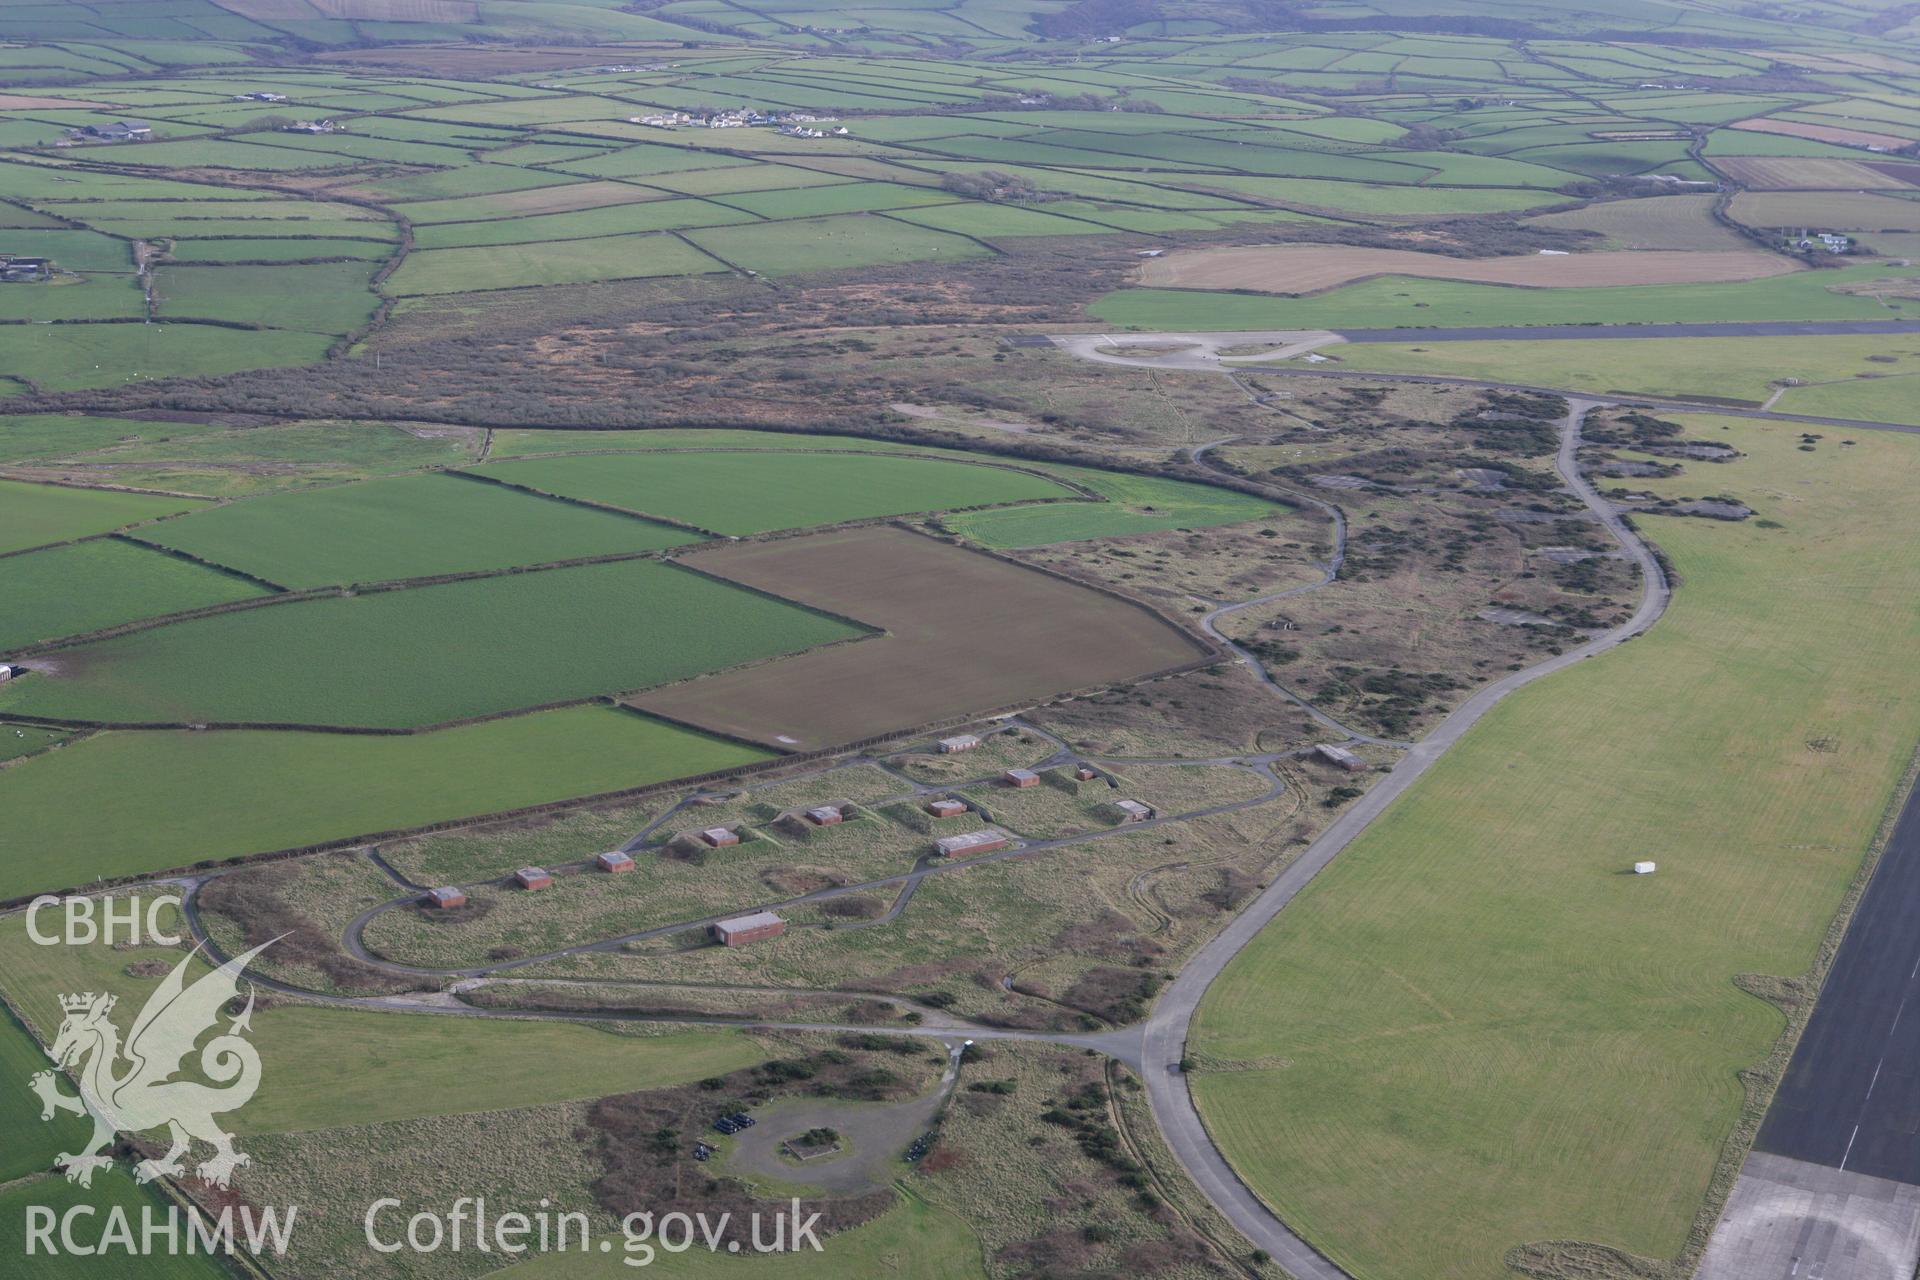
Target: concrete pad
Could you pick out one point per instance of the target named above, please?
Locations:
(1790, 1220)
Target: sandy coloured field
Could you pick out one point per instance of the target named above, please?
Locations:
(1297, 269)
(965, 632)
(1824, 133)
(1826, 210)
(1798, 173)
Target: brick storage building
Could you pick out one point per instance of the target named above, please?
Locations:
(446, 898)
(1086, 773)
(825, 815)
(959, 742)
(947, 808)
(533, 878)
(741, 930)
(1133, 810)
(719, 837)
(984, 841)
(614, 861)
(1020, 778)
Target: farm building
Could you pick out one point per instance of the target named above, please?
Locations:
(7, 672)
(259, 95)
(959, 742)
(119, 131)
(1086, 773)
(984, 841)
(533, 878)
(614, 861)
(1133, 810)
(947, 808)
(1644, 868)
(741, 930)
(1020, 778)
(825, 815)
(14, 268)
(446, 898)
(1340, 756)
(719, 837)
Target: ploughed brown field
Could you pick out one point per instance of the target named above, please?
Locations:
(1823, 133)
(965, 632)
(1312, 268)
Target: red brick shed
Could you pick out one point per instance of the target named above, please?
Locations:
(1021, 778)
(1086, 773)
(446, 897)
(614, 861)
(533, 878)
(947, 808)
(720, 837)
(825, 815)
(984, 841)
(741, 930)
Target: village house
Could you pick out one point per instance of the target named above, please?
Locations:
(1341, 757)
(533, 878)
(741, 930)
(982, 841)
(719, 837)
(445, 898)
(614, 862)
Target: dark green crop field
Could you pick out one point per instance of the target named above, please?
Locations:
(425, 655)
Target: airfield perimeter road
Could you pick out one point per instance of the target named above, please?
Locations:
(1851, 1097)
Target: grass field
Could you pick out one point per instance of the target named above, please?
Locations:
(120, 804)
(64, 357)
(1474, 1030)
(329, 297)
(964, 631)
(1404, 302)
(322, 1068)
(1135, 504)
(425, 655)
(621, 257)
(913, 1241)
(31, 1143)
(742, 493)
(403, 527)
(32, 515)
(109, 1191)
(831, 244)
(1298, 269)
(65, 591)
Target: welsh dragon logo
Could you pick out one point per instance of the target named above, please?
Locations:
(132, 1087)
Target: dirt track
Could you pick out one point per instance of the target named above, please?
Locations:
(1296, 269)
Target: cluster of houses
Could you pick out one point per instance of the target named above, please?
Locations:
(18, 269)
(259, 95)
(1827, 240)
(314, 126)
(794, 124)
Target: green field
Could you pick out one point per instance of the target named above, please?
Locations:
(109, 1191)
(120, 804)
(1740, 368)
(54, 435)
(330, 297)
(743, 493)
(830, 244)
(323, 1068)
(1135, 504)
(1474, 1030)
(63, 357)
(912, 1241)
(1391, 302)
(624, 257)
(426, 655)
(403, 527)
(66, 591)
(31, 1143)
(32, 515)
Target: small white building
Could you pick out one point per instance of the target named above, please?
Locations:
(1643, 868)
(7, 672)
(959, 742)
